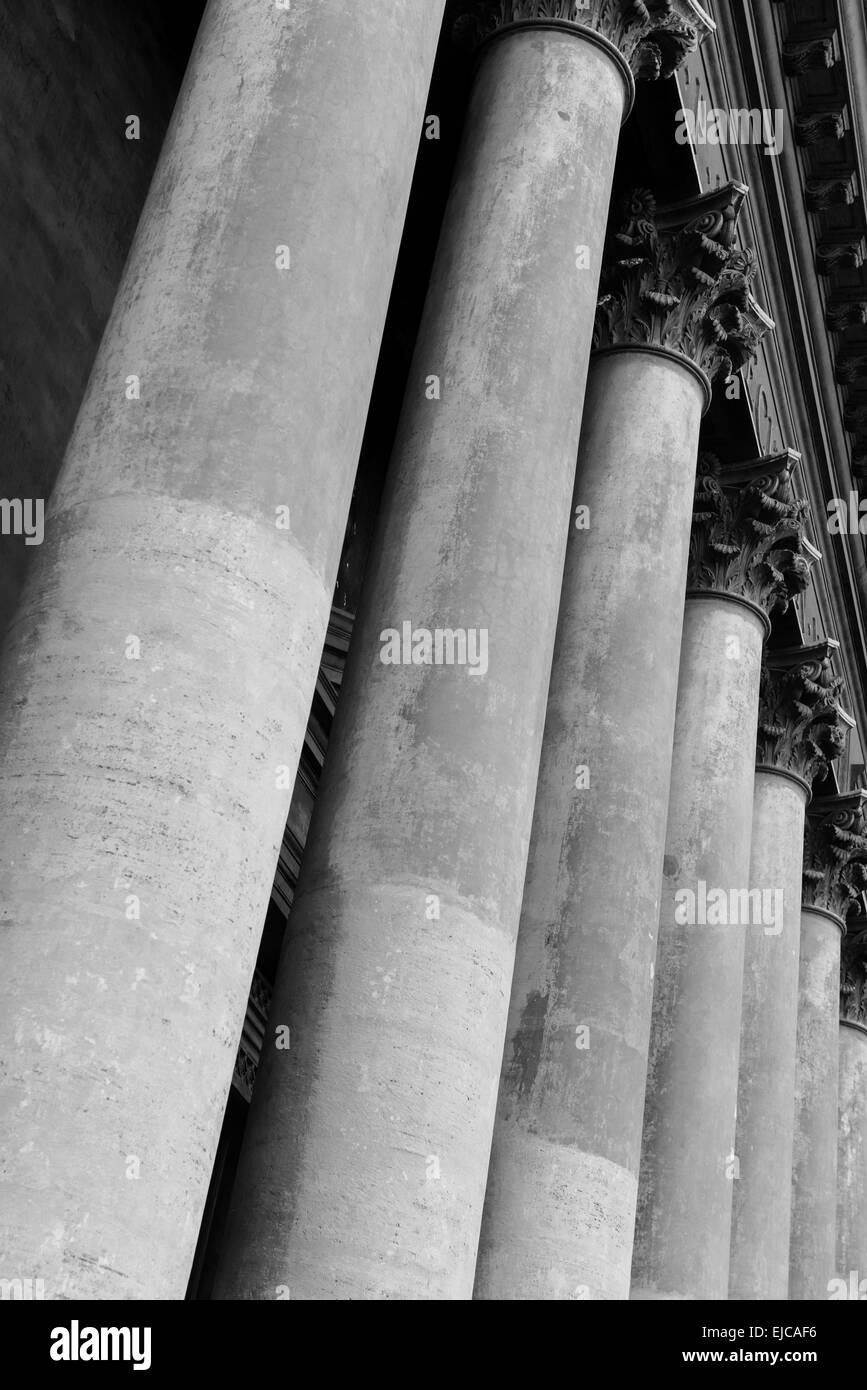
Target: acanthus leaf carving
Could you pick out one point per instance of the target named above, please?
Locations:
(673, 278)
(835, 852)
(853, 973)
(802, 728)
(654, 36)
(747, 537)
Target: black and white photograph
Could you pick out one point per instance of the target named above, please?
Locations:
(433, 668)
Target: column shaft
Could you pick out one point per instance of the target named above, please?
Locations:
(765, 1113)
(157, 679)
(746, 561)
(560, 1204)
(852, 1158)
(814, 1173)
(364, 1166)
(685, 1188)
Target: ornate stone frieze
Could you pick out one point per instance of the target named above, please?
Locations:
(835, 852)
(654, 36)
(747, 535)
(853, 973)
(801, 728)
(674, 279)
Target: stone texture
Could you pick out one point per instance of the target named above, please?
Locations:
(852, 1156)
(852, 1146)
(365, 1162)
(560, 1202)
(561, 1186)
(814, 1157)
(745, 560)
(160, 669)
(800, 733)
(654, 37)
(764, 1140)
(835, 873)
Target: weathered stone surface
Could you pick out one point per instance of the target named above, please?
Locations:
(835, 874)
(161, 666)
(560, 1204)
(852, 1144)
(654, 37)
(814, 1155)
(745, 560)
(379, 1120)
(564, 1164)
(761, 1193)
(801, 731)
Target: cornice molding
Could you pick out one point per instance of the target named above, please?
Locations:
(825, 61)
(744, 68)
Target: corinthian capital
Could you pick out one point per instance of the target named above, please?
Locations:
(654, 36)
(835, 852)
(802, 728)
(747, 535)
(674, 279)
(853, 973)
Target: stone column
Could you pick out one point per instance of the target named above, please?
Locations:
(852, 1148)
(744, 562)
(800, 733)
(560, 1204)
(364, 1167)
(835, 850)
(157, 679)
